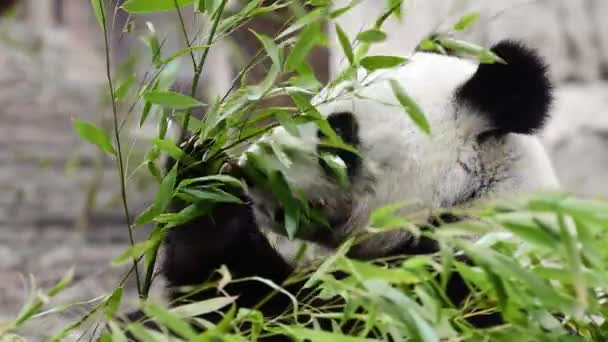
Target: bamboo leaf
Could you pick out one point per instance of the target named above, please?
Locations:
(98, 10)
(272, 50)
(466, 21)
(307, 40)
(171, 99)
(202, 307)
(148, 6)
(337, 167)
(373, 63)
(94, 135)
(411, 107)
(371, 36)
(345, 44)
(113, 303)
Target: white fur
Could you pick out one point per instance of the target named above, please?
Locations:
(401, 163)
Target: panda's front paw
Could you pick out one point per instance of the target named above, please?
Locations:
(439, 220)
(200, 158)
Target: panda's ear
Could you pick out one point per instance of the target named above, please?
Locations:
(515, 97)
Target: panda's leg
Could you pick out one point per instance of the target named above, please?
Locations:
(230, 237)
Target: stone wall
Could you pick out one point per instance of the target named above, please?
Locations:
(48, 175)
(572, 35)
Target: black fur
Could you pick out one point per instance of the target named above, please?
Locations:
(516, 96)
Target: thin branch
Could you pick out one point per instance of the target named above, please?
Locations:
(150, 272)
(199, 67)
(185, 32)
(121, 169)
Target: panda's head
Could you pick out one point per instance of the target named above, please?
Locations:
(482, 118)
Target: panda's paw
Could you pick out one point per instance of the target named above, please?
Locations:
(200, 159)
(438, 220)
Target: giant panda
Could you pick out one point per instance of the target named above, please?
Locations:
(483, 120)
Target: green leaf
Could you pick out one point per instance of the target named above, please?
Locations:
(147, 107)
(371, 36)
(170, 320)
(528, 230)
(256, 92)
(133, 252)
(212, 6)
(373, 63)
(113, 303)
(411, 107)
(202, 307)
(182, 52)
(170, 148)
(117, 334)
(366, 271)
(225, 179)
(340, 11)
(98, 10)
(163, 198)
(305, 78)
(210, 195)
(94, 135)
(463, 48)
(185, 215)
(155, 52)
(162, 125)
(337, 167)
(307, 40)
(313, 17)
(280, 188)
(168, 75)
(279, 152)
(345, 44)
(306, 108)
(157, 234)
(393, 7)
(147, 215)
(287, 122)
(427, 45)
(466, 21)
(65, 281)
(272, 50)
(171, 99)
(508, 267)
(123, 89)
(386, 217)
(142, 333)
(147, 6)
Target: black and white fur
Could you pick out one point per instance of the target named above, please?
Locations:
(483, 118)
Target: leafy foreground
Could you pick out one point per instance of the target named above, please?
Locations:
(540, 261)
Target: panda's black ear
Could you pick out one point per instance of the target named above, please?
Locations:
(516, 96)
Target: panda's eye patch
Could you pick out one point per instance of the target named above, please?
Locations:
(346, 127)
